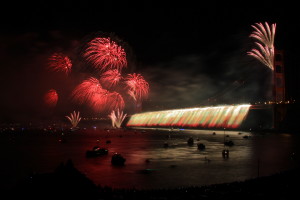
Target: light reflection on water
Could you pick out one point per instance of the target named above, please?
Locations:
(175, 166)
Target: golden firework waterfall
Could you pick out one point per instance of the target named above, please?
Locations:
(74, 119)
(207, 117)
(117, 118)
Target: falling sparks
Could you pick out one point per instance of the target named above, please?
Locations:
(105, 54)
(265, 36)
(59, 62)
(51, 98)
(209, 117)
(74, 119)
(117, 118)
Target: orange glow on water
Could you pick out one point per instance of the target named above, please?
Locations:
(208, 117)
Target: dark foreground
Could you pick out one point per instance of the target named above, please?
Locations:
(66, 182)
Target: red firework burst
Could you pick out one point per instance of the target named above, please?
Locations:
(51, 98)
(98, 101)
(107, 101)
(138, 87)
(105, 54)
(110, 78)
(87, 90)
(115, 102)
(59, 62)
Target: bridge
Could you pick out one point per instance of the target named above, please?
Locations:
(265, 115)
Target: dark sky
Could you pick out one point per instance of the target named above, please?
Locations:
(187, 52)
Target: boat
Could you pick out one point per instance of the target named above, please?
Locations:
(201, 146)
(97, 151)
(62, 140)
(225, 153)
(74, 129)
(190, 141)
(117, 159)
(166, 144)
(246, 136)
(228, 143)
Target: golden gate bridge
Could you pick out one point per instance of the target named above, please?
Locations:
(225, 116)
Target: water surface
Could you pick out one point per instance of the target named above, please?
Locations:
(148, 163)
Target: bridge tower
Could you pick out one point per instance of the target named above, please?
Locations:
(278, 76)
(279, 92)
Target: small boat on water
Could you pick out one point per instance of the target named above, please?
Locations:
(75, 129)
(228, 143)
(190, 141)
(246, 136)
(201, 146)
(97, 151)
(117, 159)
(166, 145)
(225, 153)
(62, 140)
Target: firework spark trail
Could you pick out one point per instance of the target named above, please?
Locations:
(265, 35)
(209, 117)
(51, 98)
(110, 78)
(74, 119)
(59, 62)
(105, 54)
(264, 55)
(138, 87)
(117, 118)
(85, 92)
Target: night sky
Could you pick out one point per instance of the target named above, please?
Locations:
(188, 53)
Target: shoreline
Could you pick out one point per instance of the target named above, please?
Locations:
(67, 181)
